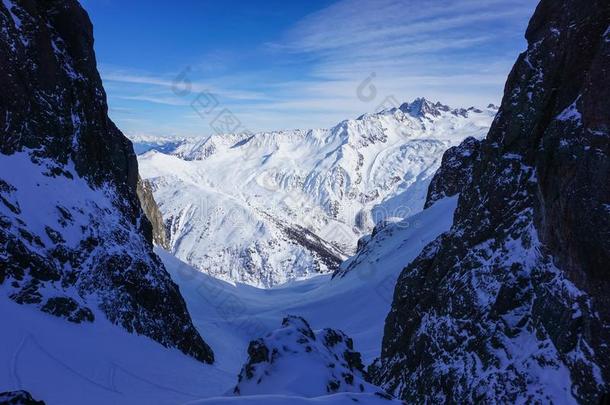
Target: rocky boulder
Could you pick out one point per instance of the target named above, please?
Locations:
(297, 360)
(18, 398)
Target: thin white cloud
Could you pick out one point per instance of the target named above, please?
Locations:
(354, 22)
(359, 30)
(452, 50)
(177, 82)
(175, 101)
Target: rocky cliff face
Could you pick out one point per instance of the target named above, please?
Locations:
(455, 172)
(73, 239)
(511, 304)
(151, 211)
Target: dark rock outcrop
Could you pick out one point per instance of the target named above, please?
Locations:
(151, 210)
(73, 238)
(512, 304)
(18, 398)
(325, 252)
(455, 172)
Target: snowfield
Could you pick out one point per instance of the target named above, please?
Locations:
(335, 399)
(268, 208)
(99, 363)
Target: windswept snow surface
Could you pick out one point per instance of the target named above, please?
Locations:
(267, 208)
(336, 399)
(63, 363)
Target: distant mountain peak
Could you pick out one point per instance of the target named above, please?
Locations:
(421, 107)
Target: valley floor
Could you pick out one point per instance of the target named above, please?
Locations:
(63, 363)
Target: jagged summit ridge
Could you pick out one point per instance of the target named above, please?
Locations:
(421, 107)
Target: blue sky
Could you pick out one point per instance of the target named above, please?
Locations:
(193, 67)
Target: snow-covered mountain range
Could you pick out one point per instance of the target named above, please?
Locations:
(495, 292)
(290, 204)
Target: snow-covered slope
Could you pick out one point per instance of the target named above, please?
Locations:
(336, 399)
(54, 360)
(95, 363)
(246, 207)
(356, 303)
